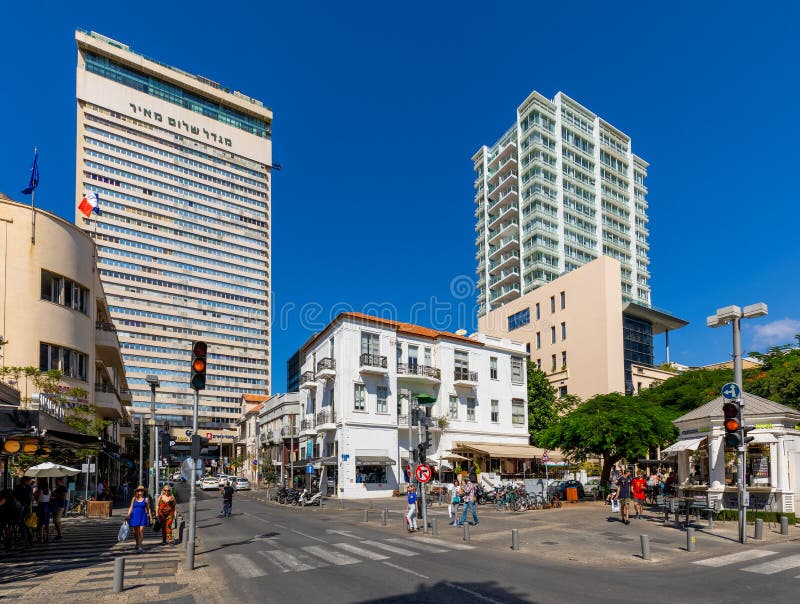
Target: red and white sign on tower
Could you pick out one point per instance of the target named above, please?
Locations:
(423, 473)
(545, 457)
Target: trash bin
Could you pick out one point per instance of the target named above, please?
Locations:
(572, 493)
(98, 509)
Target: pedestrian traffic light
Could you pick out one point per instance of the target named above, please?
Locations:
(165, 446)
(427, 440)
(198, 372)
(732, 424)
(422, 455)
(198, 444)
(747, 439)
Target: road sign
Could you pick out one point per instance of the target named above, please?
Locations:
(423, 473)
(188, 433)
(209, 436)
(545, 457)
(172, 443)
(310, 469)
(731, 391)
(345, 456)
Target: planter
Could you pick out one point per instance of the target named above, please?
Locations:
(98, 509)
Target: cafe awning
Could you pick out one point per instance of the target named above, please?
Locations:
(329, 461)
(508, 451)
(687, 444)
(374, 460)
(764, 438)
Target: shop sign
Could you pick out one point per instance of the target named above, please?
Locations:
(764, 426)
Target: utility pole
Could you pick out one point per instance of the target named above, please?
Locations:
(141, 449)
(154, 383)
(424, 506)
(197, 381)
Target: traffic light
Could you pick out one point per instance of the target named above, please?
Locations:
(732, 424)
(198, 444)
(745, 430)
(427, 441)
(422, 455)
(164, 445)
(198, 373)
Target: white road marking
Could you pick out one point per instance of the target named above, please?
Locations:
(337, 558)
(744, 556)
(288, 562)
(360, 551)
(443, 543)
(244, 566)
(774, 566)
(473, 593)
(406, 570)
(421, 546)
(309, 536)
(390, 548)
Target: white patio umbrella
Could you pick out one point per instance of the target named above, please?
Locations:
(454, 457)
(50, 470)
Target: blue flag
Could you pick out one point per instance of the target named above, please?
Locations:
(34, 176)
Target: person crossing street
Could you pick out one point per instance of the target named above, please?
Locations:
(469, 501)
(639, 491)
(623, 495)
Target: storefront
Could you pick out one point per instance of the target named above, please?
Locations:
(707, 467)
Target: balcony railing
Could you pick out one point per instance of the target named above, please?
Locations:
(308, 376)
(420, 370)
(307, 424)
(402, 420)
(289, 431)
(103, 326)
(465, 375)
(103, 387)
(326, 364)
(326, 416)
(372, 360)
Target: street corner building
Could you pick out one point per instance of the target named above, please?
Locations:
(179, 168)
(361, 378)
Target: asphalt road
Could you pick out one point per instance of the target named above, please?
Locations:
(267, 552)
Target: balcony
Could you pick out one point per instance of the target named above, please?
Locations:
(326, 368)
(107, 402)
(465, 377)
(308, 380)
(504, 261)
(503, 246)
(106, 335)
(373, 363)
(508, 229)
(505, 294)
(504, 277)
(290, 432)
(402, 421)
(326, 419)
(308, 425)
(420, 374)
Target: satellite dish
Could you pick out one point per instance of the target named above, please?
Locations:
(461, 332)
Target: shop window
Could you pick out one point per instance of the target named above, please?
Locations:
(371, 474)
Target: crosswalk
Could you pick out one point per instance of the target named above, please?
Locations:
(310, 557)
(777, 564)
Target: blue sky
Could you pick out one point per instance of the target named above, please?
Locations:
(379, 107)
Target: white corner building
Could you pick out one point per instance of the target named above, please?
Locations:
(362, 375)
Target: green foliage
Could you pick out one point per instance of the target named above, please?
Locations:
(477, 467)
(778, 378)
(457, 468)
(542, 411)
(611, 426)
(268, 471)
(752, 515)
(687, 391)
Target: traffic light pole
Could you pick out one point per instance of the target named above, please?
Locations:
(152, 483)
(742, 457)
(141, 449)
(424, 506)
(193, 491)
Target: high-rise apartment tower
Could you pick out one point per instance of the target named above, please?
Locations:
(181, 167)
(559, 189)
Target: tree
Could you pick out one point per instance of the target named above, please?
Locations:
(611, 426)
(687, 391)
(541, 402)
(778, 378)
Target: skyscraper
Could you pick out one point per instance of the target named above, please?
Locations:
(560, 188)
(181, 167)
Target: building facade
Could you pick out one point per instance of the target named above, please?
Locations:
(560, 188)
(55, 316)
(579, 330)
(362, 377)
(247, 441)
(278, 436)
(181, 167)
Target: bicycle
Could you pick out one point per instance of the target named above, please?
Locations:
(77, 507)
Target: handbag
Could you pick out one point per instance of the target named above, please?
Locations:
(123, 531)
(157, 524)
(32, 521)
(615, 505)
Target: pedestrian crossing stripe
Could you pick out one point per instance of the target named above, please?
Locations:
(353, 549)
(244, 566)
(743, 556)
(775, 566)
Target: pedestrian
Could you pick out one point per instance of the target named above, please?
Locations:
(469, 502)
(623, 495)
(455, 499)
(411, 516)
(9, 517)
(165, 512)
(669, 484)
(59, 504)
(639, 490)
(43, 511)
(227, 499)
(126, 491)
(139, 516)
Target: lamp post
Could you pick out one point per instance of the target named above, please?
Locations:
(154, 383)
(734, 316)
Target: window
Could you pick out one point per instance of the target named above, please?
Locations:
(538, 340)
(493, 368)
(562, 391)
(495, 411)
(554, 363)
(539, 364)
(563, 331)
(428, 357)
(359, 398)
(552, 334)
(563, 300)
(518, 319)
(471, 402)
(398, 350)
(453, 407)
(552, 304)
(538, 312)
(71, 363)
(383, 394)
(461, 362)
(563, 358)
(63, 291)
(517, 411)
(516, 370)
(370, 343)
(413, 355)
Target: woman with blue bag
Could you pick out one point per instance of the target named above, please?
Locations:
(455, 499)
(139, 516)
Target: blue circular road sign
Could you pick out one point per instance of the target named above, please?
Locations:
(731, 391)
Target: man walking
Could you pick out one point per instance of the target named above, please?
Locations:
(639, 491)
(469, 502)
(623, 495)
(411, 517)
(59, 503)
(227, 499)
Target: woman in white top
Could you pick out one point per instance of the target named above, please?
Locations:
(43, 511)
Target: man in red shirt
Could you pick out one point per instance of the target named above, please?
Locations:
(638, 490)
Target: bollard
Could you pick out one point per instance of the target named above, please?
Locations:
(119, 574)
(759, 534)
(341, 503)
(515, 539)
(784, 525)
(711, 519)
(383, 517)
(677, 520)
(435, 526)
(690, 539)
(366, 515)
(370, 504)
(466, 531)
(645, 540)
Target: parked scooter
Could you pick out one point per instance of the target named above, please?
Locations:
(306, 498)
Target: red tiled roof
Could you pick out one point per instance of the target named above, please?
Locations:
(255, 398)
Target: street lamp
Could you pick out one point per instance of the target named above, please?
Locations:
(154, 383)
(734, 316)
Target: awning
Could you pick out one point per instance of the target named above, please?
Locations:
(508, 451)
(764, 438)
(329, 461)
(687, 444)
(374, 460)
